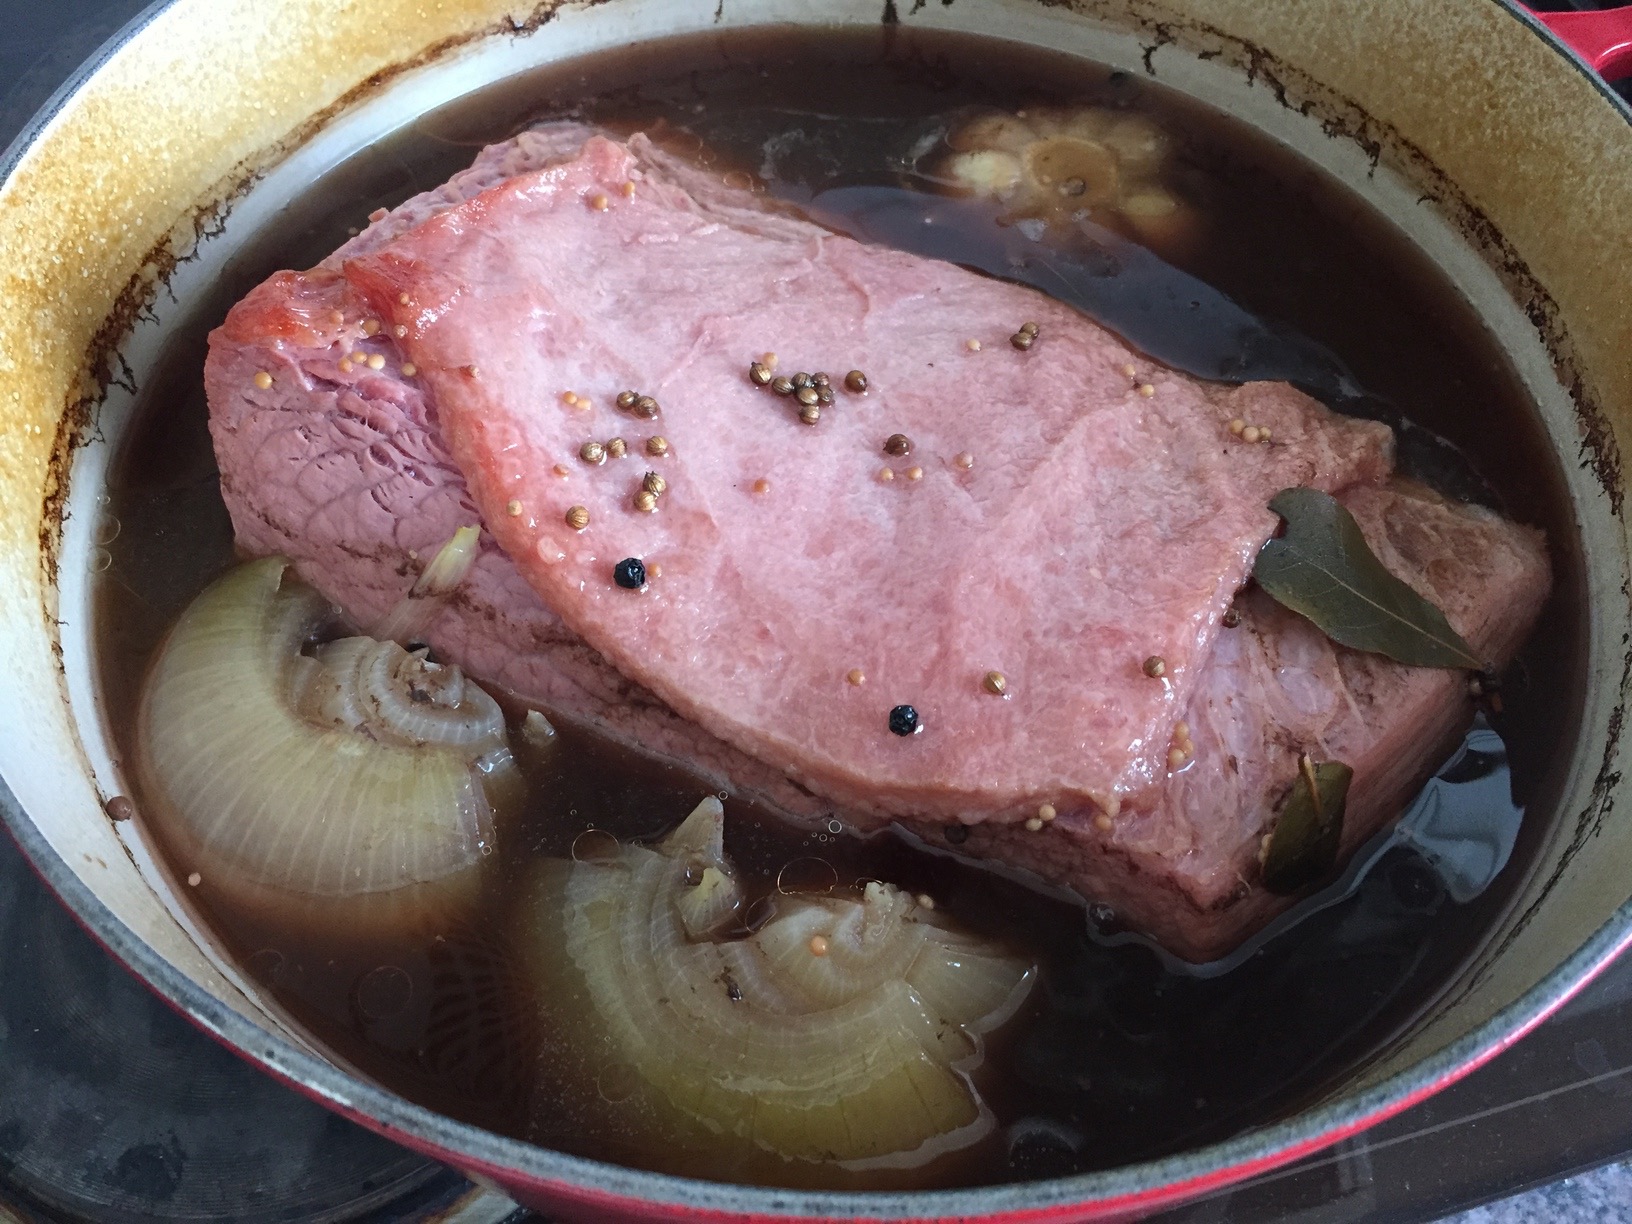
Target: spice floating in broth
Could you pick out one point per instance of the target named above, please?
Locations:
(1323, 569)
(841, 1031)
(1304, 843)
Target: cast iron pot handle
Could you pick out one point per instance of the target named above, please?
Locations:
(1602, 38)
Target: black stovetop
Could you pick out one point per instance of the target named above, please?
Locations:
(113, 1108)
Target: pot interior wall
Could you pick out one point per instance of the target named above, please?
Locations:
(1439, 162)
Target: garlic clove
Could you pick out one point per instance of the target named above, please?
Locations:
(1161, 221)
(986, 172)
(999, 131)
(1139, 143)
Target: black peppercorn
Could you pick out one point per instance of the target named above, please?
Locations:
(630, 574)
(904, 720)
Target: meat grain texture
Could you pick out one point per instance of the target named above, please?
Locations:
(1097, 526)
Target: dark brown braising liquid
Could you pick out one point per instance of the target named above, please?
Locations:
(1117, 1059)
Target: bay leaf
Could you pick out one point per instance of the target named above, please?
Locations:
(1304, 843)
(1323, 569)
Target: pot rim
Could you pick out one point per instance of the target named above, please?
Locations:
(1136, 1188)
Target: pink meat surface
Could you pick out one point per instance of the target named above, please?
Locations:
(1064, 547)
(1184, 868)
(342, 468)
(1097, 526)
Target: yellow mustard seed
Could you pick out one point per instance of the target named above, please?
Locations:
(263, 380)
(409, 369)
(1176, 757)
(371, 327)
(628, 189)
(562, 470)
(1033, 825)
(376, 361)
(1104, 823)
(856, 677)
(1237, 425)
(345, 365)
(886, 474)
(402, 298)
(818, 945)
(925, 901)
(963, 460)
(915, 473)
(400, 331)
(1146, 390)
(1046, 813)
(1251, 434)
(599, 202)
(336, 317)
(762, 485)
(513, 507)
(972, 345)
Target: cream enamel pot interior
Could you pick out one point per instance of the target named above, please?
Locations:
(1499, 154)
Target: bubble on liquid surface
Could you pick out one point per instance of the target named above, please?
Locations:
(383, 992)
(806, 875)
